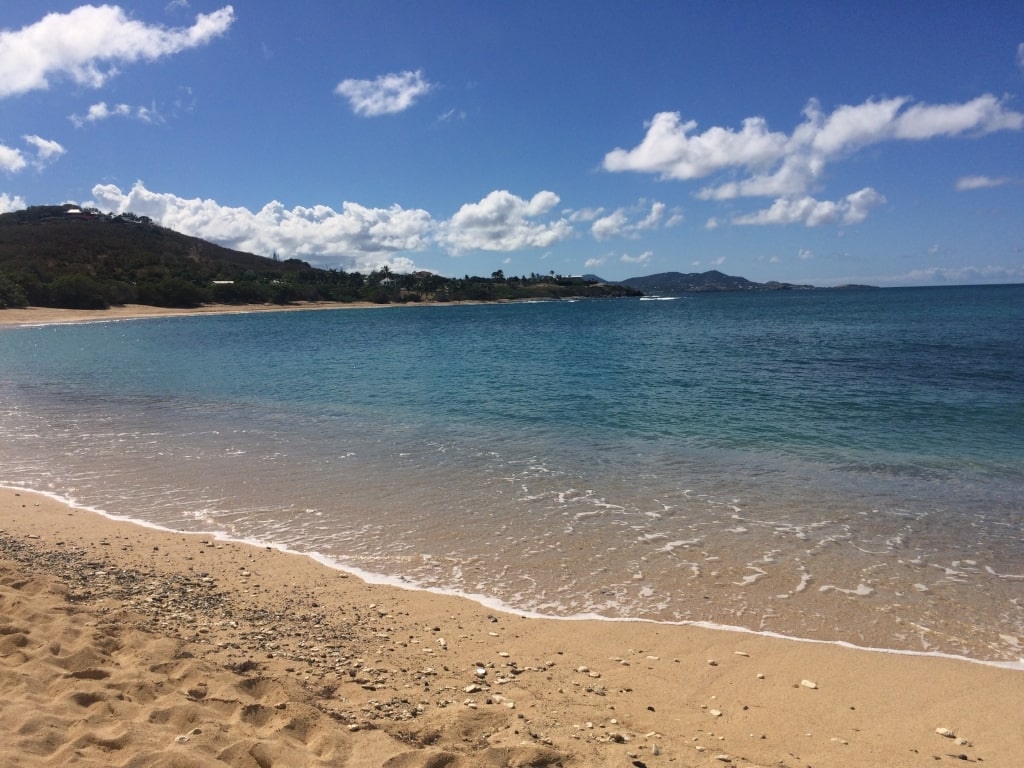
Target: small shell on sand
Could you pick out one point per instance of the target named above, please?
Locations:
(809, 684)
(947, 732)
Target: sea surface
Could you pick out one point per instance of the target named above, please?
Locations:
(833, 465)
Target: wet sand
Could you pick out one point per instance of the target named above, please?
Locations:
(126, 645)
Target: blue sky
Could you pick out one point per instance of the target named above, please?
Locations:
(814, 142)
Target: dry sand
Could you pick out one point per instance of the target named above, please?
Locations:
(122, 645)
(44, 315)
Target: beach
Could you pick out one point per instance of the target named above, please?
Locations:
(48, 315)
(128, 645)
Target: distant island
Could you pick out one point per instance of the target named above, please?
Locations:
(69, 257)
(713, 280)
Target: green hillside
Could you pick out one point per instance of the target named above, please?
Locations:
(63, 256)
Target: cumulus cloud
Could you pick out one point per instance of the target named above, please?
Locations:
(99, 112)
(11, 160)
(1020, 55)
(852, 209)
(669, 151)
(8, 203)
(46, 151)
(981, 182)
(354, 238)
(384, 95)
(88, 43)
(766, 163)
(609, 226)
(779, 164)
(504, 222)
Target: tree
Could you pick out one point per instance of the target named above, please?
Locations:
(11, 294)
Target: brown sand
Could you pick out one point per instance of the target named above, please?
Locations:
(122, 645)
(41, 315)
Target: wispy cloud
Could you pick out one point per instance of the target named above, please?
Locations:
(966, 183)
(450, 116)
(852, 209)
(384, 95)
(787, 166)
(101, 111)
(88, 43)
(623, 222)
(643, 258)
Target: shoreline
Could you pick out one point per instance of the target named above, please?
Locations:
(31, 316)
(199, 651)
(486, 602)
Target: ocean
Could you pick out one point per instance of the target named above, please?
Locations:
(831, 465)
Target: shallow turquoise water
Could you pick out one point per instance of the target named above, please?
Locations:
(841, 465)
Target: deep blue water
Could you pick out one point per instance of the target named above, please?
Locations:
(841, 464)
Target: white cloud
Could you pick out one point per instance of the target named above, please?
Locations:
(967, 275)
(669, 151)
(102, 111)
(597, 261)
(503, 222)
(384, 95)
(14, 160)
(804, 254)
(46, 149)
(584, 214)
(8, 203)
(1020, 55)
(451, 116)
(773, 164)
(852, 209)
(981, 182)
(712, 223)
(643, 258)
(89, 42)
(11, 160)
(356, 238)
(609, 226)
(618, 223)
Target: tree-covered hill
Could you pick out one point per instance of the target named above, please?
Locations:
(713, 280)
(64, 256)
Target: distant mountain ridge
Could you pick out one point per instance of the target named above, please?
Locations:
(712, 280)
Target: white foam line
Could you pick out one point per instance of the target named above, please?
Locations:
(495, 604)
